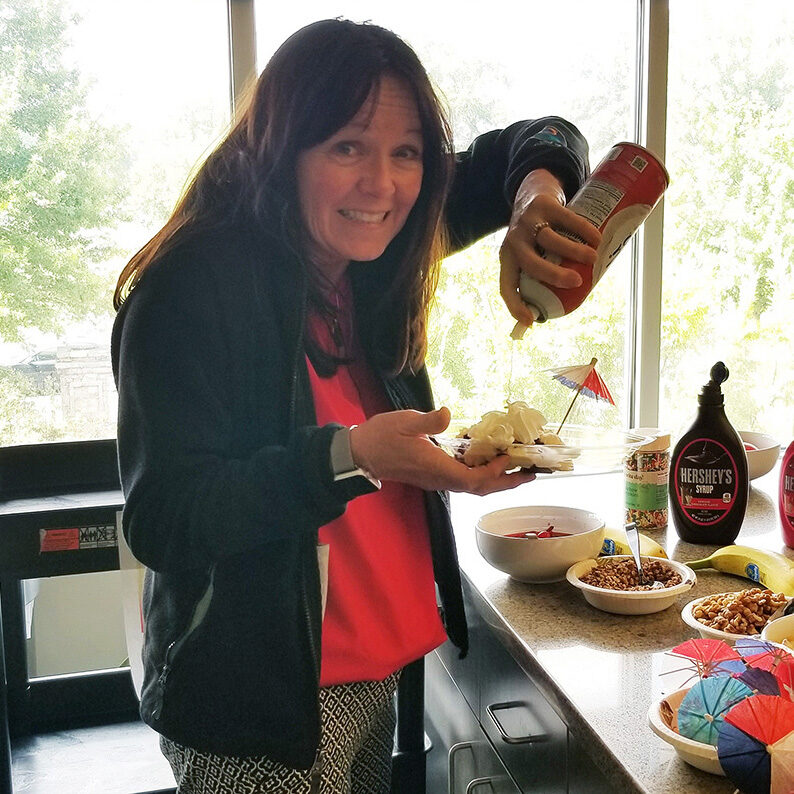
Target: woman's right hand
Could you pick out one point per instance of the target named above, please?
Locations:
(538, 212)
(396, 446)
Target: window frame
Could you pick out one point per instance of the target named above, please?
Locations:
(35, 471)
(643, 332)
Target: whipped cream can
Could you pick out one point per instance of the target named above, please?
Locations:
(617, 198)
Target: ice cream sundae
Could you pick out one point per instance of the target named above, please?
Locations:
(519, 432)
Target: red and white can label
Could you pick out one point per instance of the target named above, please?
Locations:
(705, 481)
(617, 198)
(787, 492)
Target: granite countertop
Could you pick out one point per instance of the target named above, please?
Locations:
(600, 671)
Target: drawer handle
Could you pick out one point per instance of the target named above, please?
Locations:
(453, 752)
(506, 737)
(480, 781)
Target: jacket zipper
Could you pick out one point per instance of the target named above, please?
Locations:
(315, 773)
(397, 393)
(199, 613)
(313, 645)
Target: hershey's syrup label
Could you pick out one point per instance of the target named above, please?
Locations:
(705, 481)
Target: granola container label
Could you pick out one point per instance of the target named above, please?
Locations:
(646, 482)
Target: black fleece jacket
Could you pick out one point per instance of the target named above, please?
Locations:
(226, 474)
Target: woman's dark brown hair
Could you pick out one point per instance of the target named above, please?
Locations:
(314, 84)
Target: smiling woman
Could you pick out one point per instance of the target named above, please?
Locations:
(269, 354)
(357, 188)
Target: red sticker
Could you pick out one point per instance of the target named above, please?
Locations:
(60, 539)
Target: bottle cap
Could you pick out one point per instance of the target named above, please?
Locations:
(711, 394)
(660, 439)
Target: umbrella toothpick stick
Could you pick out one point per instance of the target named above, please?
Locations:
(578, 392)
(589, 368)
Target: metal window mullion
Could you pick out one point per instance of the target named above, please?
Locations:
(242, 49)
(646, 298)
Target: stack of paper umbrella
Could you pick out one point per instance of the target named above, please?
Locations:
(742, 702)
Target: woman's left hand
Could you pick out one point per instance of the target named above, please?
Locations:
(539, 208)
(397, 446)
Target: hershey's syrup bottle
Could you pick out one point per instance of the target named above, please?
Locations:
(709, 484)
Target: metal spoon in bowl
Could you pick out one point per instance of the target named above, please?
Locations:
(633, 537)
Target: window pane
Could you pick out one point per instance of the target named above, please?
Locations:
(728, 239)
(104, 109)
(516, 64)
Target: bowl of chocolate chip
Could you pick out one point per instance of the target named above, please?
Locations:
(612, 584)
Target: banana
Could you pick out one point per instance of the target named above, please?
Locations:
(768, 568)
(615, 543)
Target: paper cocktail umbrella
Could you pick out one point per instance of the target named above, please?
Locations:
(784, 673)
(744, 760)
(748, 733)
(781, 665)
(584, 379)
(764, 717)
(782, 755)
(703, 708)
(708, 655)
(762, 682)
(762, 654)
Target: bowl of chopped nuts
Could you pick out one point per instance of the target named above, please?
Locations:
(729, 616)
(612, 584)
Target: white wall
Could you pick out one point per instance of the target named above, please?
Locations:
(77, 625)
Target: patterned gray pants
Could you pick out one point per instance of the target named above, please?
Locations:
(357, 740)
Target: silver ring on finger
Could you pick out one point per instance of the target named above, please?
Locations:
(536, 229)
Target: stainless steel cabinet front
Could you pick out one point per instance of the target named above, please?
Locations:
(527, 733)
(461, 759)
(584, 777)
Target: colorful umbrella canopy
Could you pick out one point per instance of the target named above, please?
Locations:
(764, 717)
(744, 760)
(703, 708)
(780, 664)
(782, 756)
(708, 656)
(762, 654)
(584, 379)
(784, 673)
(762, 682)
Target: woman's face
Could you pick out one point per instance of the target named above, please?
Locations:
(357, 188)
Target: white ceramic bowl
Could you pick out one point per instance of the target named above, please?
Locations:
(631, 602)
(698, 754)
(779, 630)
(538, 560)
(707, 631)
(762, 460)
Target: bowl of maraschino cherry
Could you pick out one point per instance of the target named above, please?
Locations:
(538, 543)
(762, 452)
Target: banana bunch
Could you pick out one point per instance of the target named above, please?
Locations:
(768, 568)
(615, 543)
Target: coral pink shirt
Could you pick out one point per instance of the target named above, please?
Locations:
(381, 610)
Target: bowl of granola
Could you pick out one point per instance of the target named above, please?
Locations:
(612, 584)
